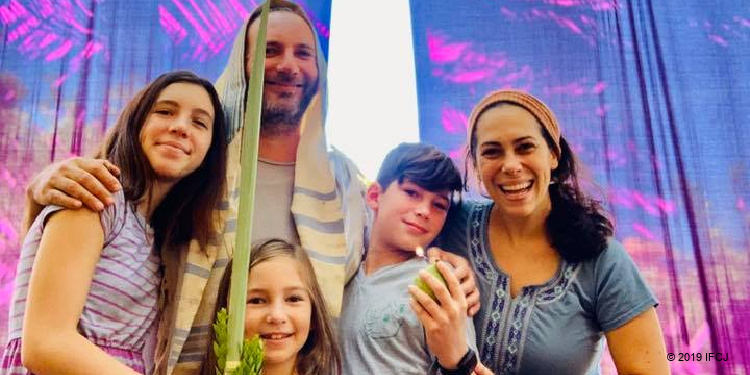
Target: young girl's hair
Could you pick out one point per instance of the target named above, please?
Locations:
(319, 355)
(187, 210)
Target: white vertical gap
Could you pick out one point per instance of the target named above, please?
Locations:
(372, 80)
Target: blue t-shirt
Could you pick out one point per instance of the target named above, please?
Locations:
(554, 328)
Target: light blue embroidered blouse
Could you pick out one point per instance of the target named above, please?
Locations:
(555, 328)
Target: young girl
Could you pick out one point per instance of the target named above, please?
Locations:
(286, 308)
(85, 299)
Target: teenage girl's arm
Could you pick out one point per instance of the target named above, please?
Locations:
(638, 346)
(60, 279)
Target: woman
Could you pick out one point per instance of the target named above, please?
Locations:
(553, 281)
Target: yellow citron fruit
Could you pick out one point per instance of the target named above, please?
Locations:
(432, 270)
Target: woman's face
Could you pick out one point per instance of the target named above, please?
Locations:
(278, 309)
(514, 161)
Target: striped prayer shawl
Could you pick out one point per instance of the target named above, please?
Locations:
(317, 207)
(328, 209)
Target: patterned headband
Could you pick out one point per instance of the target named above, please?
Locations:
(525, 100)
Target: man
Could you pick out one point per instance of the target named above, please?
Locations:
(304, 194)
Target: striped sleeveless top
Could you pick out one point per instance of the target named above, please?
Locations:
(120, 311)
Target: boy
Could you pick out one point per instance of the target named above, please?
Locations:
(388, 325)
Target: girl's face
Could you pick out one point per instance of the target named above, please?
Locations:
(177, 133)
(278, 309)
(513, 161)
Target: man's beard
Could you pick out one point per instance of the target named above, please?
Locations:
(282, 119)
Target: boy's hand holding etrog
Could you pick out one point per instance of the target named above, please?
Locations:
(444, 319)
(432, 270)
(464, 273)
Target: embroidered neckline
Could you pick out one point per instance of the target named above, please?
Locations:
(507, 329)
(479, 236)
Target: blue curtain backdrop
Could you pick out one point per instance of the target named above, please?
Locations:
(67, 68)
(653, 96)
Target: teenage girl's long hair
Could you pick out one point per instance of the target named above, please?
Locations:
(187, 210)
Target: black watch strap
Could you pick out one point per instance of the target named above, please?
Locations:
(465, 365)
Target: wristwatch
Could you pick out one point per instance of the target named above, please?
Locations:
(465, 365)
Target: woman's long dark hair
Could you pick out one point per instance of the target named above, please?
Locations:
(320, 354)
(577, 224)
(187, 210)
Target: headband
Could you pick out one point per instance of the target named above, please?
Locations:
(524, 100)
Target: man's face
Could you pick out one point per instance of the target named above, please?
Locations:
(291, 68)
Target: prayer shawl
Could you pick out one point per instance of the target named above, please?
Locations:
(328, 208)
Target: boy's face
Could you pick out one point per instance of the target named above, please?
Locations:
(406, 215)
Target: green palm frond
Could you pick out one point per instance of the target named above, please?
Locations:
(249, 164)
